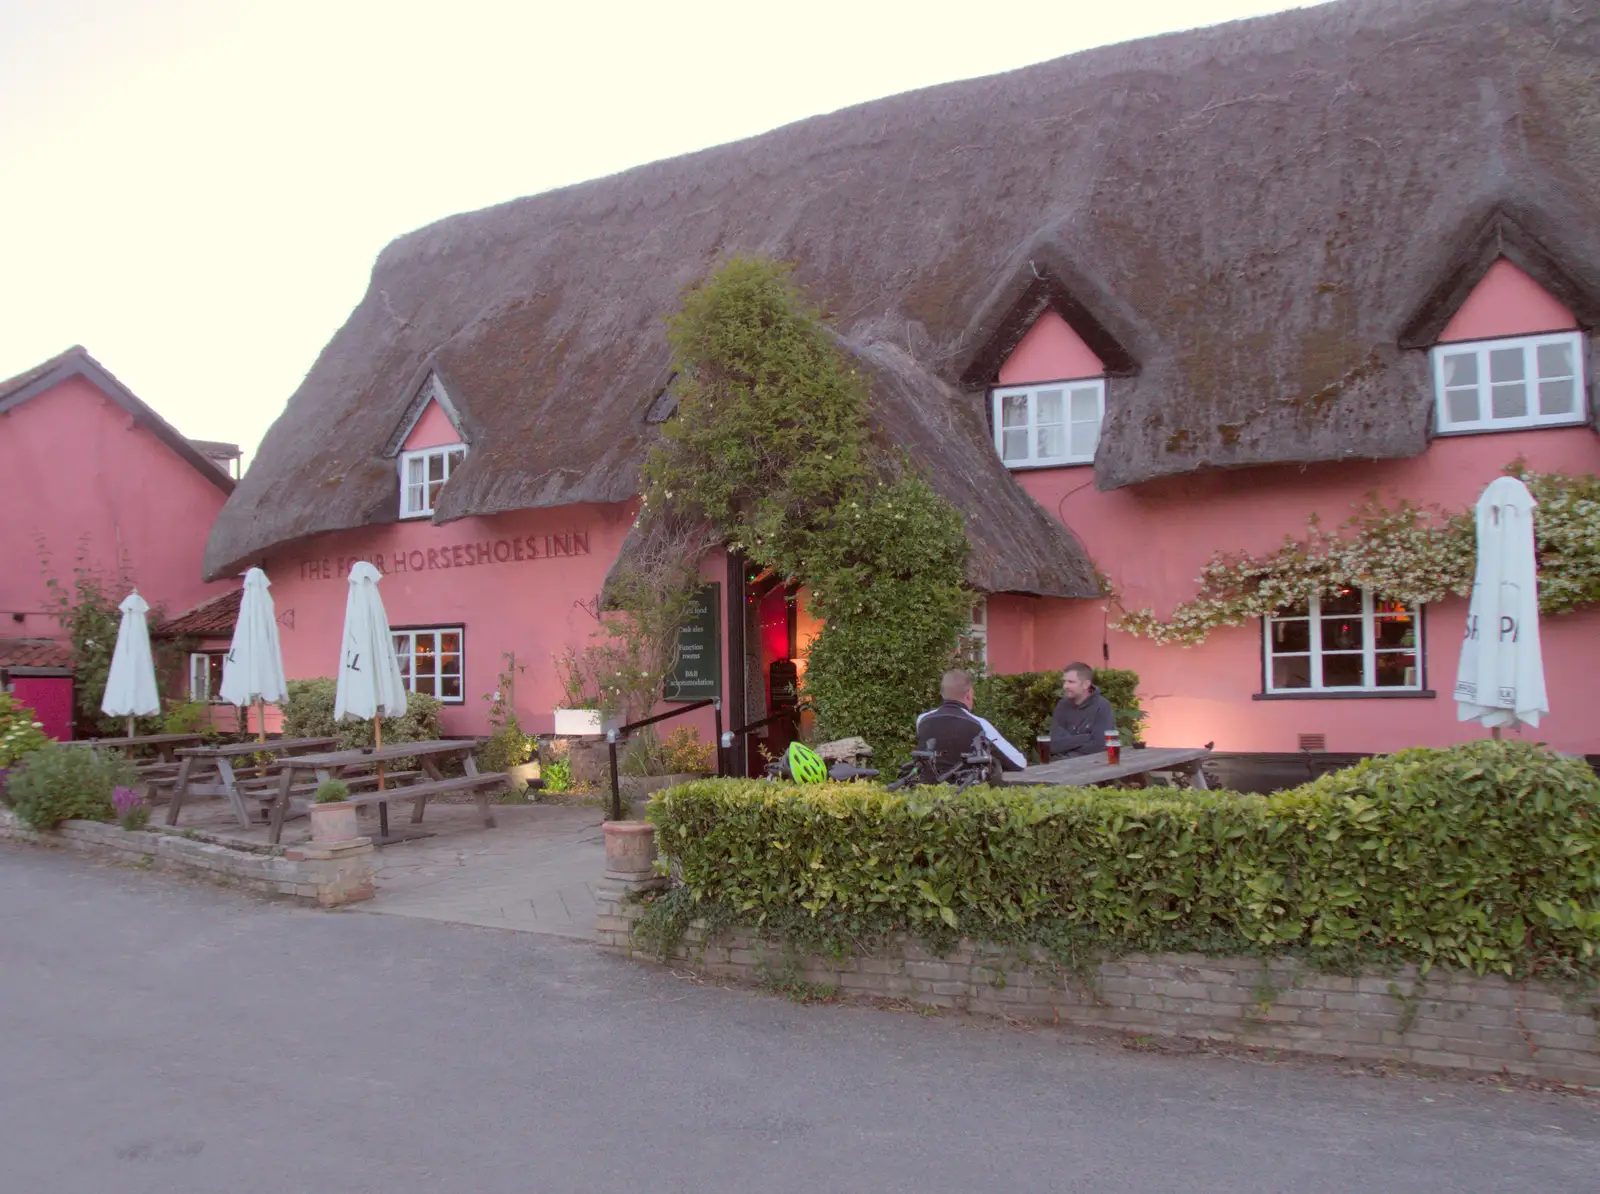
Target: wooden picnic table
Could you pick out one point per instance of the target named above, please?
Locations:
(165, 744)
(1136, 761)
(428, 755)
(197, 761)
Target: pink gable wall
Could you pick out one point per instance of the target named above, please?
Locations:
(433, 430)
(1051, 351)
(80, 469)
(1153, 540)
(1507, 302)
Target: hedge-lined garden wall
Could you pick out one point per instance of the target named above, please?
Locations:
(1484, 857)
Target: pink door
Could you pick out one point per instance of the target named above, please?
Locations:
(50, 698)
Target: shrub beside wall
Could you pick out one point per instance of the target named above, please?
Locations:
(308, 713)
(1484, 856)
(61, 782)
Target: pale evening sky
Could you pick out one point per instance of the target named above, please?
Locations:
(195, 190)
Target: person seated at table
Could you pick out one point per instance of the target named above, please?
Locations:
(953, 726)
(1083, 716)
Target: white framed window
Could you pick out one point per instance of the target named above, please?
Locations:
(1504, 385)
(1051, 424)
(423, 474)
(975, 642)
(1354, 641)
(431, 661)
(205, 675)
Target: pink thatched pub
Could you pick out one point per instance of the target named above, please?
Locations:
(1127, 310)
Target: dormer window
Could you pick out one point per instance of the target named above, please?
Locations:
(1510, 384)
(1056, 423)
(422, 474)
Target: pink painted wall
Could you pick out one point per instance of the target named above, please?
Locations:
(80, 469)
(1507, 302)
(1152, 541)
(507, 580)
(433, 430)
(1050, 344)
(512, 581)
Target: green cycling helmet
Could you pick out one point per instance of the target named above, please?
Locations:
(806, 765)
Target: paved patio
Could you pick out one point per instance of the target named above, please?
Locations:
(534, 873)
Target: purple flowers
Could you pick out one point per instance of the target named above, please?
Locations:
(130, 807)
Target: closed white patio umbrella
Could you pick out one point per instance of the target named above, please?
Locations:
(253, 668)
(370, 686)
(1501, 679)
(131, 683)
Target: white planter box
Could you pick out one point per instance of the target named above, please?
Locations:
(581, 722)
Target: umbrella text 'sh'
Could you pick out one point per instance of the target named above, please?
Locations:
(1501, 678)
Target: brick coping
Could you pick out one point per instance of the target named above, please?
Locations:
(327, 878)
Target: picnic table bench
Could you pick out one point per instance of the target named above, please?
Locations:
(225, 780)
(1137, 762)
(165, 744)
(429, 755)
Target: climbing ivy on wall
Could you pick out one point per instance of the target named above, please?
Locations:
(1406, 552)
(772, 448)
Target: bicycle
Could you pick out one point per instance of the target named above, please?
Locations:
(976, 766)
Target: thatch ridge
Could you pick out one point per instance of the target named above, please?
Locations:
(1253, 214)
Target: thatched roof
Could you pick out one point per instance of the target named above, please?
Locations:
(1246, 222)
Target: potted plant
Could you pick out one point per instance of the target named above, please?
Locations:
(332, 820)
(580, 714)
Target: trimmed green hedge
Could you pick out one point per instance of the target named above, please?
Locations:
(1485, 856)
(308, 713)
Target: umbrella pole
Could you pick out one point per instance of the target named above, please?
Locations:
(261, 720)
(130, 725)
(1495, 733)
(377, 741)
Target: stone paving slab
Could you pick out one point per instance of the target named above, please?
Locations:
(534, 873)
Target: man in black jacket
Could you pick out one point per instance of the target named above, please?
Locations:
(1083, 717)
(950, 729)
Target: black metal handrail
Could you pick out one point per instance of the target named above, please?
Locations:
(620, 734)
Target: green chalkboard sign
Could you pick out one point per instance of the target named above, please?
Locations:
(697, 674)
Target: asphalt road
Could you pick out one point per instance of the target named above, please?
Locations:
(162, 1036)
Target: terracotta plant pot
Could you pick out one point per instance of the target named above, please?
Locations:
(333, 822)
(630, 848)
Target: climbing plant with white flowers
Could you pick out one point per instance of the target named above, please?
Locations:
(1406, 552)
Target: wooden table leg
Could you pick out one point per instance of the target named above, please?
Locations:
(280, 807)
(471, 766)
(180, 790)
(231, 783)
(430, 768)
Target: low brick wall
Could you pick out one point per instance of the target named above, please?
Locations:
(324, 874)
(1448, 1019)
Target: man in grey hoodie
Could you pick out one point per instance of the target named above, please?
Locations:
(1083, 717)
